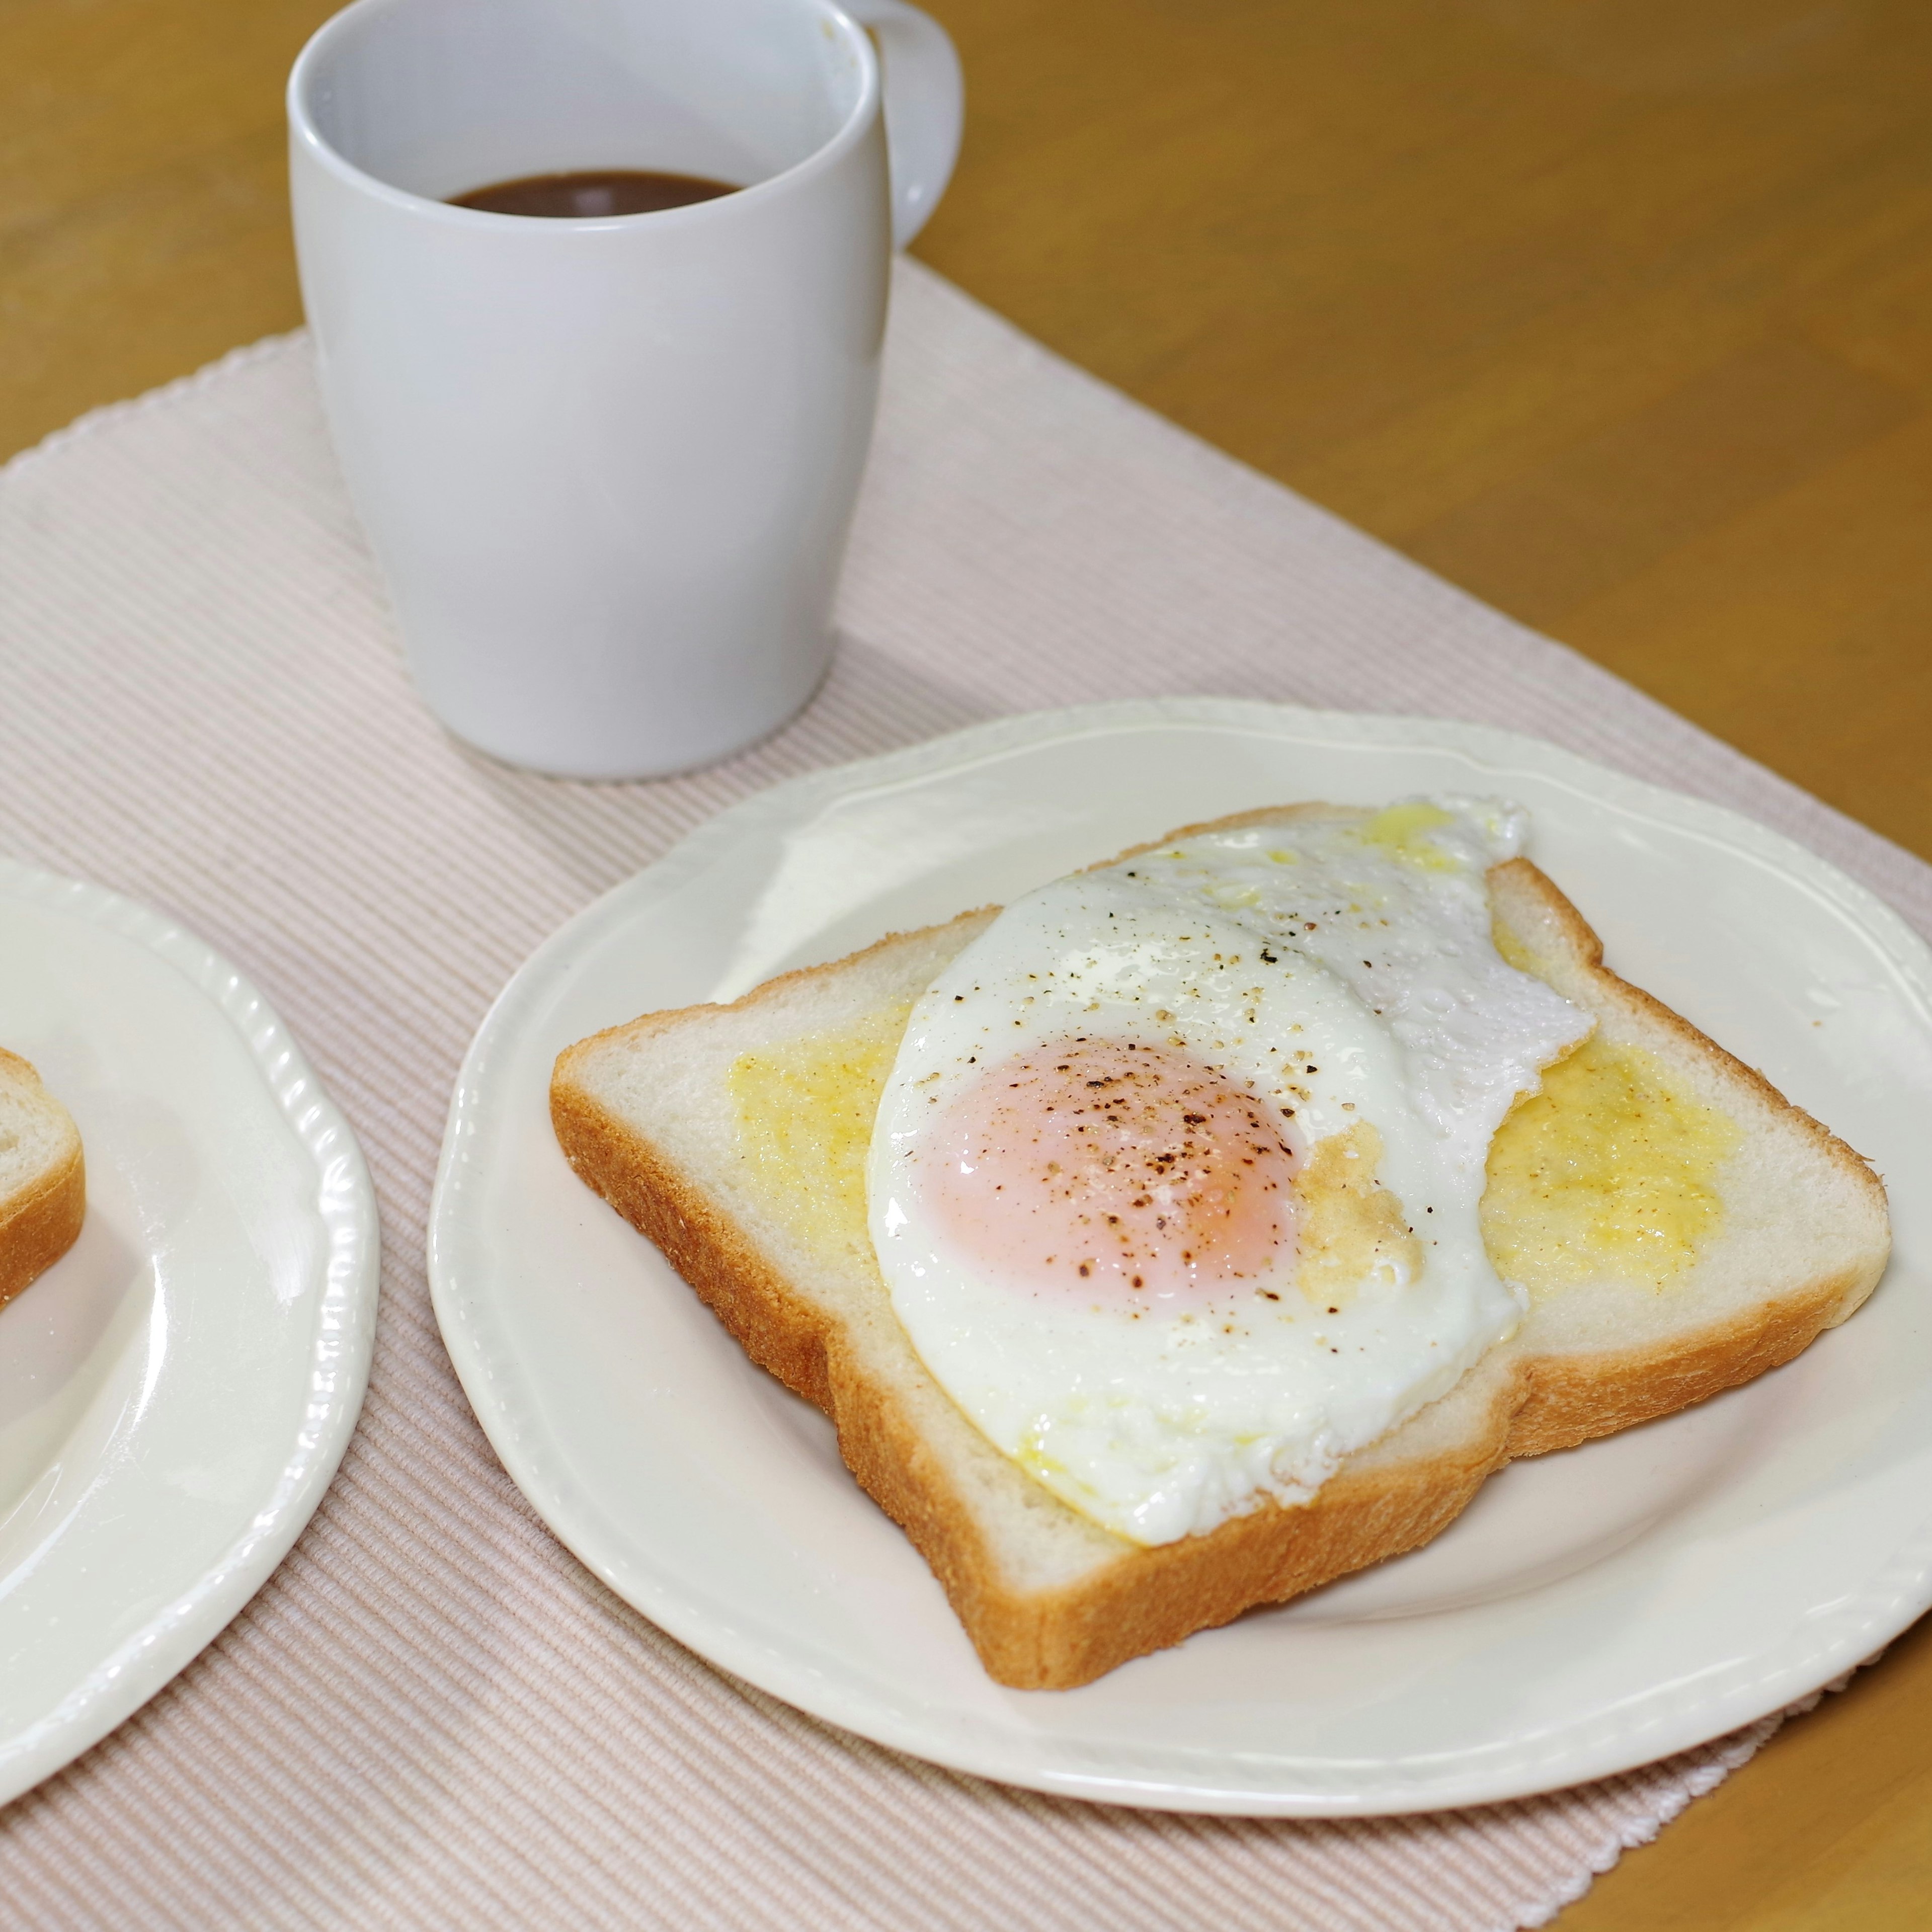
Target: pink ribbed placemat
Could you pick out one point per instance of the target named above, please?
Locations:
(432, 1715)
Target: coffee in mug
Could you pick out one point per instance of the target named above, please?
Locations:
(592, 193)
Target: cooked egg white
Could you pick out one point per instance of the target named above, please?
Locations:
(1174, 1181)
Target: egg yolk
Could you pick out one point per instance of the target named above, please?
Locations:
(1106, 1167)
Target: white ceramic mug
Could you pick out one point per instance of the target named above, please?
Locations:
(607, 466)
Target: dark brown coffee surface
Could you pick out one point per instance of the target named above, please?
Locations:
(586, 195)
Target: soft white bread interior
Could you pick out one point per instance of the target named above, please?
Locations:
(734, 1137)
(42, 1178)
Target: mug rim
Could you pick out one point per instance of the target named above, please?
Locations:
(302, 125)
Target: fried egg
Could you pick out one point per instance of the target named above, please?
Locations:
(1174, 1180)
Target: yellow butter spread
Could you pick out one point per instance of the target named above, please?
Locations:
(1610, 1173)
(804, 1112)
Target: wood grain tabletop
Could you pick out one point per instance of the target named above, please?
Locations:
(1618, 313)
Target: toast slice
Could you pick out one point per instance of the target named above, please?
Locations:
(735, 1137)
(42, 1178)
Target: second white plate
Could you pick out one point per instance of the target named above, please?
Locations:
(176, 1391)
(1592, 1611)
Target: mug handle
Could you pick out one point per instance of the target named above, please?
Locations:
(925, 106)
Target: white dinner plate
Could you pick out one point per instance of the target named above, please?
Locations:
(1592, 1611)
(176, 1391)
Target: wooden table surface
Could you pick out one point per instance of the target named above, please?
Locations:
(1618, 313)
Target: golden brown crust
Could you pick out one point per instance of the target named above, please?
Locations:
(40, 1223)
(1376, 1507)
(1571, 1399)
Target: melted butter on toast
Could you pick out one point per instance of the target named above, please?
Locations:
(1610, 1173)
(805, 1110)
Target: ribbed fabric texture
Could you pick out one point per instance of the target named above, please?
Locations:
(432, 1716)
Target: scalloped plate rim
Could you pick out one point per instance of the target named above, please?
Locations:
(338, 1346)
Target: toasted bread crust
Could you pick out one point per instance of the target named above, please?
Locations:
(42, 1221)
(1380, 1504)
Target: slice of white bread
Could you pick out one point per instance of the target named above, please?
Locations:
(653, 1116)
(43, 1179)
